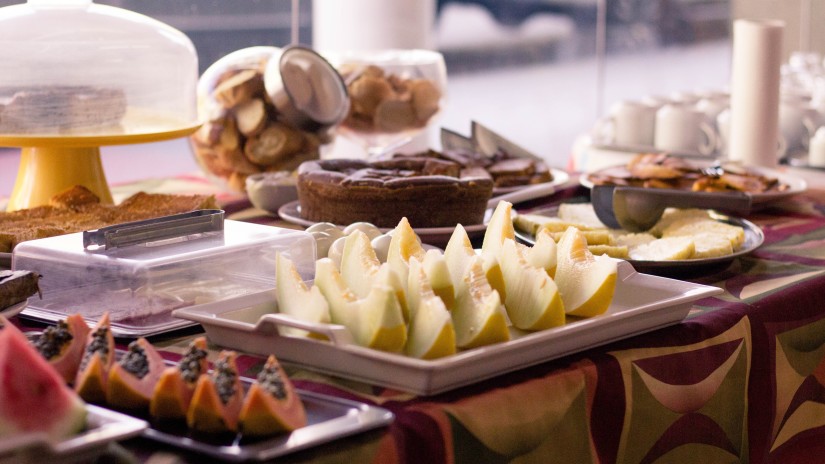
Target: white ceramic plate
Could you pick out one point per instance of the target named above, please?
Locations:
(796, 185)
(641, 303)
(103, 427)
(559, 178)
(291, 212)
(14, 309)
(683, 267)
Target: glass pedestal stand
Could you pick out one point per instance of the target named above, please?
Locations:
(49, 165)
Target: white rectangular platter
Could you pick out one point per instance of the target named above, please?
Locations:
(641, 303)
(103, 427)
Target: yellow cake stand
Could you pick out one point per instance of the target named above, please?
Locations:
(50, 164)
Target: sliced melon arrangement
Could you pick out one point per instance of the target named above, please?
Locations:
(141, 382)
(680, 234)
(428, 303)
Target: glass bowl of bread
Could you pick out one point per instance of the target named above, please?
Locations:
(394, 95)
(265, 109)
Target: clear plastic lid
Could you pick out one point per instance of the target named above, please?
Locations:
(71, 67)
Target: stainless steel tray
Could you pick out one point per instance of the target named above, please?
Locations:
(329, 419)
(642, 303)
(104, 427)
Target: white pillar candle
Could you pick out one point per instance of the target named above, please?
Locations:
(372, 24)
(754, 102)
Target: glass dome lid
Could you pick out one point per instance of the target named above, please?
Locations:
(72, 68)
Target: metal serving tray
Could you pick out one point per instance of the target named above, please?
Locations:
(641, 303)
(328, 419)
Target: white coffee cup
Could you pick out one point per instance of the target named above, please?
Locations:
(684, 98)
(683, 128)
(816, 149)
(712, 106)
(630, 124)
(798, 121)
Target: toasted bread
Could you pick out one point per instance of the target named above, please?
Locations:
(77, 209)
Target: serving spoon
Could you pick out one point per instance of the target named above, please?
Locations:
(637, 209)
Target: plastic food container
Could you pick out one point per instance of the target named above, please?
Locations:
(266, 109)
(140, 284)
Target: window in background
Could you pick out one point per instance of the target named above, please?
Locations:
(526, 68)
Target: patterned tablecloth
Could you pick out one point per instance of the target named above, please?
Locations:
(742, 379)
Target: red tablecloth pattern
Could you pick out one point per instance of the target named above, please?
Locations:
(740, 380)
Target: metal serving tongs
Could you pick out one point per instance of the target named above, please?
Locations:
(637, 209)
(192, 224)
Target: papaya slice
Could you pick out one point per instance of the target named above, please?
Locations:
(133, 378)
(63, 345)
(98, 358)
(174, 389)
(271, 405)
(216, 402)
(33, 396)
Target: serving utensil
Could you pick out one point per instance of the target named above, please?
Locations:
(637, 209)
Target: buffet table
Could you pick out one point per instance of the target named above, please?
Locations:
(741, 379)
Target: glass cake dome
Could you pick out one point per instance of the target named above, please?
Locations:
(74, 76)
(71, 67)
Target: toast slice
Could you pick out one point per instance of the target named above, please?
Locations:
(77, 209)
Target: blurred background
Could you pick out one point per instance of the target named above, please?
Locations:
(540, 72)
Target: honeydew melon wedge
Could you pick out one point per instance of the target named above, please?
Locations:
(438, 273)
(586, 282)
(296, 299)
(404, 244)
(375, 321)
(431, 331)
(360, 269)
(533, 300)
(543, 253)
(479, 316)
(499, 229)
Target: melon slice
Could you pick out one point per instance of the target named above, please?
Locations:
(133, 378)
(218, 397)
(63, 345)
(98, 357)
(173, 391)
(271, 405)
(33, 395)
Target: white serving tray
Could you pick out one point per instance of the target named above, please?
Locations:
(103, 427)
(642, 303)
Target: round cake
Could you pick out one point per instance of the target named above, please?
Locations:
(428, 192)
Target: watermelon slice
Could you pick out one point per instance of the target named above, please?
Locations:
(33, 395)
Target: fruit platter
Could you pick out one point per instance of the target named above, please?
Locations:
(47, 421)
(428, 333)
(93, 393)
(683, 242)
